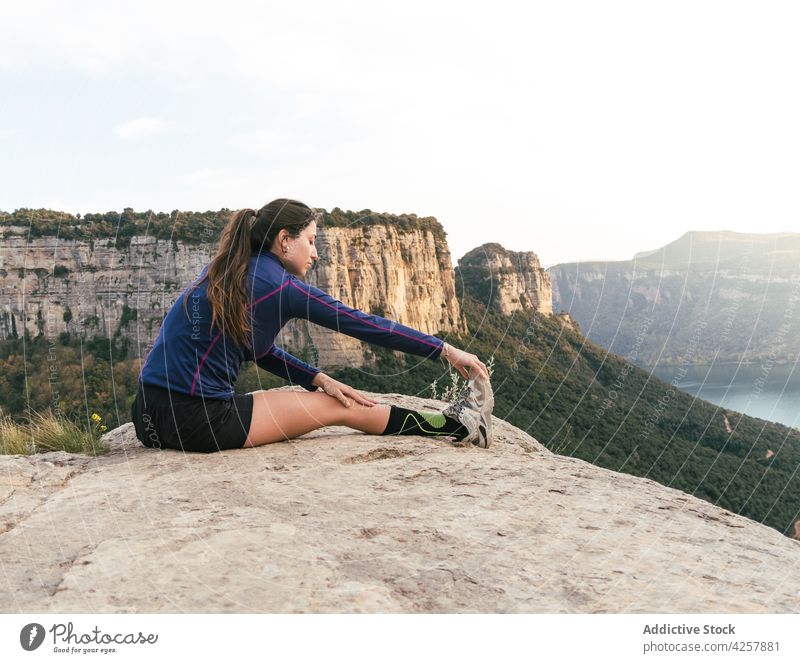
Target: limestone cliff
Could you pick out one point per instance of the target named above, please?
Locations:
(343, 522)
(508, 280)
(50, 285)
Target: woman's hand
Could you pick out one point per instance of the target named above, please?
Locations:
(343, 392)
(468, 365)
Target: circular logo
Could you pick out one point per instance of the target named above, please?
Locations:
(31, 636)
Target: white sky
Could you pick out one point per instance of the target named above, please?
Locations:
(578, 130)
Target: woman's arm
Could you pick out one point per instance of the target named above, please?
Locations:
(311, 303)
(279, 362)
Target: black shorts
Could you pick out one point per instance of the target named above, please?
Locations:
(171, 420)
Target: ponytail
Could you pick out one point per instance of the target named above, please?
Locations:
(227, 278)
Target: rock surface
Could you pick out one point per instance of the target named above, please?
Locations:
(340, 521)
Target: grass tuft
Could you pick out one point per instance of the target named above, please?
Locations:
(47, 432)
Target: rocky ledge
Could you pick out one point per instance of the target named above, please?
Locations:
(338, 522)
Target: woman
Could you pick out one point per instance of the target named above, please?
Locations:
(233, 313)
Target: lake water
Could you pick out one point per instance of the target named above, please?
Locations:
(767, 391)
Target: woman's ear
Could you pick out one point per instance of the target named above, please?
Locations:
(282, 237)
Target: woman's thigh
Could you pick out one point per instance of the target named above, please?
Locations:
(283, 415)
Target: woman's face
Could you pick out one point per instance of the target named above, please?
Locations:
(301, 251)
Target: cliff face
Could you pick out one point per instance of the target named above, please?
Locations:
(51, 285)
(508, 280)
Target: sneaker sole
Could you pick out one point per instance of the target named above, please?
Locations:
(485, 428)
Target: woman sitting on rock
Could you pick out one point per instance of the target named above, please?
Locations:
(233, 313)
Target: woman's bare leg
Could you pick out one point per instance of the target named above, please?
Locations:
(283, 415)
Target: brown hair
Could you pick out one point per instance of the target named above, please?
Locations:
(246, 232)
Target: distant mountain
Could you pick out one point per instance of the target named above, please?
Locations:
(708, 296)
(724, 249)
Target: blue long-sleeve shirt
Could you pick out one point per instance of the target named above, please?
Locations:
(187, 358)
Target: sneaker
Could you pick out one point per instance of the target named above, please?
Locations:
(473, 408)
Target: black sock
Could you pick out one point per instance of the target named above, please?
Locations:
(413, 422)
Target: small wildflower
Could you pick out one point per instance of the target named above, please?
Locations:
(103, 429)
(96, 417)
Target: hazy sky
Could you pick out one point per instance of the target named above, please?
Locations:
(577, 130)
